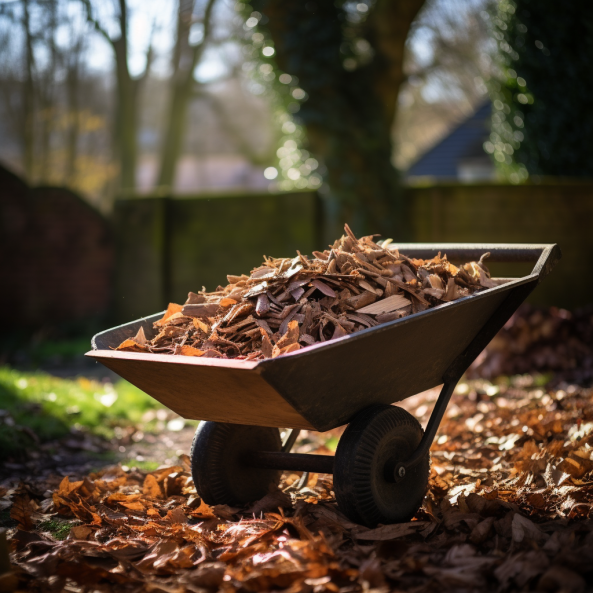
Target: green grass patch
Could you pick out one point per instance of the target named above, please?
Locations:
(332, 443)
(147, 466)
(39, 406)
(58, 529)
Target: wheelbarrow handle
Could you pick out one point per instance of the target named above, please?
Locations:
(545, 255)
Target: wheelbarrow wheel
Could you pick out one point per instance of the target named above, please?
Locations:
(218, 461)
(372, 445)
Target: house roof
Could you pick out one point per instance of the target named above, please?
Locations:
(463, 143)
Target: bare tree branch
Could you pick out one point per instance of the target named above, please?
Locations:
(182, 89)
(93, 21)
(149, 55)
(199, 48)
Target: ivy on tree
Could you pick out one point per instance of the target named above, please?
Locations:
(348, 60)
(542, 118)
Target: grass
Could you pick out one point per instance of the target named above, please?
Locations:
(37, 406)
(147, 466)
(58, 529)
(332, 443)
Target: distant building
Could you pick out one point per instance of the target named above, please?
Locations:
(459, 156)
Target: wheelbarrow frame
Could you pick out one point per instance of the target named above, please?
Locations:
(545, 256)
(511, 293)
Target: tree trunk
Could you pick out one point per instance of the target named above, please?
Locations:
(174, 133)
(349, 114)
(72, 90)
(126, 122)
(185, 60)
(28, 103)
(47, 102)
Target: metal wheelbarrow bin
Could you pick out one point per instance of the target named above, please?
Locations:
(382, 462)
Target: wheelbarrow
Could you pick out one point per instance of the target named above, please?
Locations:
(382, 462)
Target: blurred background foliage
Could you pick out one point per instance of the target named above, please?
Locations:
(305, 114)
(345, 62)
(119, 98)
(541, 123)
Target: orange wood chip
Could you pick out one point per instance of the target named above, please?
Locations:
(171, 310)
(199, 324)
(130, 345)
(190, 351)
(226, 302)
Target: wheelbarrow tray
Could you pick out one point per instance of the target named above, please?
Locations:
(324, 385)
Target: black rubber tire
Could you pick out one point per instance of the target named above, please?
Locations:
(218, 455)
(377, 439)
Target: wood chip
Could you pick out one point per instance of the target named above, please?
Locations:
(190, 351)
(266, 347)
(392, 303)
(297, 293)
(361, 300)
(364, 284)
(263, 305)
(195, 299)
(289, 303)
(140, 337)
(386, 317)
(200, 310)
(324, 288)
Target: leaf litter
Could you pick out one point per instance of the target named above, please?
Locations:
(288, 304)
(509, 504)
(509, 508)
(542, 340)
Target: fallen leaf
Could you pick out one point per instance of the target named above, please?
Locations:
(524, 529)
(388, 532)
(21, 512)
(151, 487)
(270, 502)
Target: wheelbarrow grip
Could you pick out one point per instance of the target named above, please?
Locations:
(545, 256)
(549, 257)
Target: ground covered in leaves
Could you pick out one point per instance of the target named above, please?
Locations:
(509, 507)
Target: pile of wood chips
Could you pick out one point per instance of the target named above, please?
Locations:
(289, 304)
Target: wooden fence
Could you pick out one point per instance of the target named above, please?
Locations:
(168, 246)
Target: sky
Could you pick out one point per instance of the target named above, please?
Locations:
(157, 18)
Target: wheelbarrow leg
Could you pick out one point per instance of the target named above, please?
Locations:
(287, 446)
(431, 430)
(382, 463)
(290, 440)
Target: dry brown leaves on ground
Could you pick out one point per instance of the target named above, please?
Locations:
(509, 507)
(288, 304)
(537, 340)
